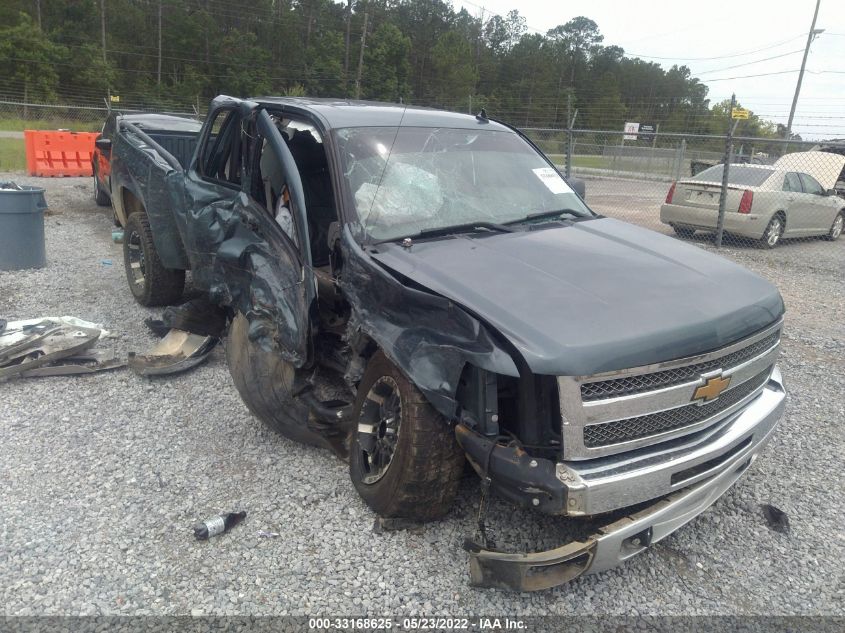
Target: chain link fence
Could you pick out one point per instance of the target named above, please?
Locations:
(15, 116)
(774, 192)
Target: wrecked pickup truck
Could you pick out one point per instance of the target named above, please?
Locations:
(414, 288)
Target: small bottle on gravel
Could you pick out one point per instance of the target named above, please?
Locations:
(204, 530)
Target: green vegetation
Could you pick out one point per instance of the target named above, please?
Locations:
(12, 156)
(19, 124)
(415, 51)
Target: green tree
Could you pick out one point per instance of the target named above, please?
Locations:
(606, 111)
(387, 65)
(453, 75)
(29, 60)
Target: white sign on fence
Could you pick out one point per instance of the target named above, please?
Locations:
(631, 130)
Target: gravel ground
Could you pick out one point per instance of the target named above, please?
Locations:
(102, 477)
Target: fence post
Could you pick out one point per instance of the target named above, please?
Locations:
(723, 194)
(570, 142)
(680, 152)
(569, 124)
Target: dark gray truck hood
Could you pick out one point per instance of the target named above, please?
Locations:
(593, 296)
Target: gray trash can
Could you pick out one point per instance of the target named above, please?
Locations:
(22, 227)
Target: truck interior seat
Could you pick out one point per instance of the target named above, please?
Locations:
(310, 158)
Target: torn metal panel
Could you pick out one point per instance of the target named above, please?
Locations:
(27, 345)
(90, 361)
(178, 351)
(428, 336)
(241, 256)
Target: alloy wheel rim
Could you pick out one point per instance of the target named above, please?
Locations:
(137, 262)
(837, 227)
(378, 428)
(774, 233)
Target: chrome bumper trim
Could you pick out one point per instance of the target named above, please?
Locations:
(630, 535)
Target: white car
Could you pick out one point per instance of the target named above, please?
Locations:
(795, 197)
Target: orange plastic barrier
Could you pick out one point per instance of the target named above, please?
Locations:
(54, 153)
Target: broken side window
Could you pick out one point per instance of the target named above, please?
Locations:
(220, 159)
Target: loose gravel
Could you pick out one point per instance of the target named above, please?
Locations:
(103, 476)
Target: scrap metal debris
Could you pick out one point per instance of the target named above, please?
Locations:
(387, 524)
(178, 351)
(52, 346)
(776, 518)
(267, 534)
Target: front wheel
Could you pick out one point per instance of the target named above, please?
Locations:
(149, 281)
(773, 233)
(404, 459)
(836, 227)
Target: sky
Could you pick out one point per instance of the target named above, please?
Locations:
(731, 35)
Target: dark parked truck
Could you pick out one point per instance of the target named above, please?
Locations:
(414, 288)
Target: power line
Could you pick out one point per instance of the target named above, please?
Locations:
(765, 59)
(702, 59)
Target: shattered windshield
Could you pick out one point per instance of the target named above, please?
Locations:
(409, 179)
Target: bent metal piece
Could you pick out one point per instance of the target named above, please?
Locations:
(89, 361)
(178, 351)
(610, 545)
(46, 345)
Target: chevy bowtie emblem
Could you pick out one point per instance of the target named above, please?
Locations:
(711, 389)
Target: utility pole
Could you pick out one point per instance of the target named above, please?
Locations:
(361, 58)
(103, 35)
(103, 26)
(38, 12)
(158, 74)
(810, 36)
(346, 51)
(723, 193)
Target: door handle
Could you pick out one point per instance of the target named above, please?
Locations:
(790, 198)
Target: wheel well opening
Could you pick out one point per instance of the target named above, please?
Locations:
(131, 203)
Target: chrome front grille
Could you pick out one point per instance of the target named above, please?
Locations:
(623, 410)
(613, 388)
(657, 423)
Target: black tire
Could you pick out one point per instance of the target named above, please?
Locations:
(772, 234)
(100, 196)
(683, 231)
(149, 281)
(421, 477)
(836, 228)
(266, 382)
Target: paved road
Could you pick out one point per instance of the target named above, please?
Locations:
(635, 201)
(10, 134)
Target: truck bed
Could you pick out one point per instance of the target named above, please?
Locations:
(178, 135)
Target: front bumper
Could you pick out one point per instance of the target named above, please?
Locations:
(682, 481)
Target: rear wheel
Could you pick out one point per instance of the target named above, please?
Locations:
(773, 233)
(404, 459)
(683, 231)
(149, 281)
(836, 227)
(100, 196)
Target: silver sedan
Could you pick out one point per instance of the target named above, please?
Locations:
(792, 198)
